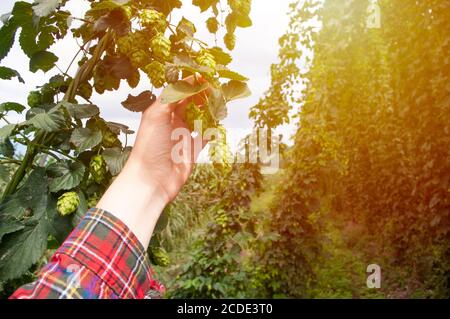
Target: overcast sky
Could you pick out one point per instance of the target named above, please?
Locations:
(256, 50)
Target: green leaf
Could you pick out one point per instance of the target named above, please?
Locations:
(6, 148)
(116, 158)
(42, 60)
(234, 90)
(8, 74)
(9, 227)
(220, 56)
(20, 250)
(186, 63)
(101, 8)
(6, 131)
(5, 175)
(166, 6)
(204, 4)
(181, 90)
(243, 21)
(81, 111)
(29, 199)
(217, 105)
(116, 128)
(7, 34)
(48, 121)
(139, 103)
(86, 138)
(228, 74)
(23, 248)
(65, 175)
(11, 106)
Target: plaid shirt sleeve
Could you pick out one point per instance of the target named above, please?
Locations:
(101, 258)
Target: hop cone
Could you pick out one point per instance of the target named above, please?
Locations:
(156, 73)
(205, 58)
(34, 99)
(160, 46)
(230, 41)
(67, 203)
(153, 19)
(160, 257)
(97, 168)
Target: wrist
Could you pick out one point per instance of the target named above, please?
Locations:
(137, 200)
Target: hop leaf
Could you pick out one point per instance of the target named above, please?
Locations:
(67, 203)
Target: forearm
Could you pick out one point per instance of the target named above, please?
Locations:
(136, 199)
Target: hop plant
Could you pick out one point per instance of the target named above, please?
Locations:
(97, 168)
(153, 19)
(230, 41)
(34, 99)
(212, 24)
(160, 257)
(160, 46)
(67, 203)
(156, 73)
(205, 58)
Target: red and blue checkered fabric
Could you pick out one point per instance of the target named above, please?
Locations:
(102, 258)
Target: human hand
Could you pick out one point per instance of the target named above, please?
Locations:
(151, 177)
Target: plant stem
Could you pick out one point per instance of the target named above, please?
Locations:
(22, 170)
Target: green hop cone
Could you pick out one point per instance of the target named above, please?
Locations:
(93, 200)
(85, 90)
(139, 58)
(212, 24)
(97, 168)
(34, 99)
(153, 19)
(205, 58)
(160, 46)
(109, 139)
(156, 73)
(67, 203)
(160, 257)
(125, 44)
(194, 113)
(230, 41)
